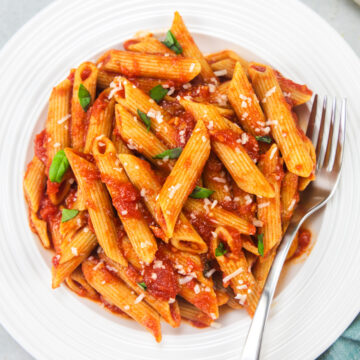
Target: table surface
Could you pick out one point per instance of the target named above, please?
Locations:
(343, 15)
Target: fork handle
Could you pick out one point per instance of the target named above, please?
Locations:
(251, 350)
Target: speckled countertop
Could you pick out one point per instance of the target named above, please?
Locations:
(343, 15)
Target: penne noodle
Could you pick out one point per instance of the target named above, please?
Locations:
(215, 179)
(262, 267)
(34, 183)
(236, 273)
(120, 145)
(125, 199)
(194, 315)
(134, 64)
(145, 180)
(118, 293)
(189, 48)
(218, 216)
(269, 209)
(289, 198)
(135, 99)
(101, 119)
(58, 119)
(239, 164)
(77, 283)
(85, 75)
(245, 103)
(227, 54)
(148, 44)
(86, 242)
(98, 204)
(180, 183)
(104, 79)
(225, 66)
(283, 127)
(169, 312)
(40, 228)
(146, 143)
(304, 182)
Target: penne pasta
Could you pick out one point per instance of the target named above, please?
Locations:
(145, 142)
(148, 65)
(83, 95)
(239, 164)
(289, 197)
(269, 209)
(98, 204)
(225, 67)
(283, 127)
(40, 228)
(148, 44)
(145, 180)
(192, 314)
(101, 119)
(84, 242)
(245, 103)
(189, 48)
(118, 293)
(77, 283)
(179, 184)
(125, 199)
(34, 183)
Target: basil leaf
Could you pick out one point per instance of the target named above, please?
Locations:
(201, 193)
(58, 167)
(220, 250)
(84, 97)
(146, 120)
(261, 244)
(68, 214)
(171, 42)
(142, 285)
(171, 153)
(158, 93)
(265, 139)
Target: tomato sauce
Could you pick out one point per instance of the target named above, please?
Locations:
(71, 198)
(99, 105)
(203, 226)
(199, 93)
(174, 108)
(40, 146)
(259, 68)
(111, 307)
(89, 172)
(48, 211)
(204, 300)
(52, 187)
(184, 124)
(233, 139)
(71, 76)
(85, 73)
(304, 240)
(125, 197)
(161, 279)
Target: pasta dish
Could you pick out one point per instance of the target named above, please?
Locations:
(165, 179)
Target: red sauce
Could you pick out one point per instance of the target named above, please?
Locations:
(184, 124)
(259, 68)
(203, 226)
(289, 84)
(130, 42)
(172, 107)
(40, 146)
(133, 274)
(89, 172)
(99, 105)
(237, 241)
(52, 187)
(71, 198)
(197, 324)
(55, 260)
(165, 285)
(304, 240)
(230, 138)
(200, 93)
(85, 73)
(48, 211)
(204, 300)
(71, 76)
(125, 197)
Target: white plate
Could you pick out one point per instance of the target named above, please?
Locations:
(309, 312)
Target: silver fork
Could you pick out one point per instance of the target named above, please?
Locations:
(329, 154)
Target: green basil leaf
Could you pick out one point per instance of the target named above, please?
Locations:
(158, 93)
(261, 244)
(58, 167)
(146, 120)
(265, 139)
(68, 214)
(171, 42)
(171, 153)
(201, 193)
(84, 97)
(220, 250)
(142, 285)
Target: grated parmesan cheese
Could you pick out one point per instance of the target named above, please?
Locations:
(63, 119)
(74, 251)
(139, 298)
(235, 273)
(220, 72)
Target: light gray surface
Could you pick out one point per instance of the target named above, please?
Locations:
(343, 15)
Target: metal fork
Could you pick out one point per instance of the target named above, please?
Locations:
(329, 154)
